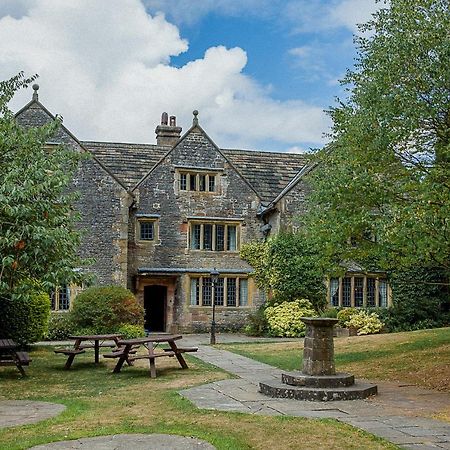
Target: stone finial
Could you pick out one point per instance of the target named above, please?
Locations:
(195, 120)
(35, 93)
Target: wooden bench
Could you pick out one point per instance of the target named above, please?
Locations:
(84, 346)
(17, 359)
(71, 353)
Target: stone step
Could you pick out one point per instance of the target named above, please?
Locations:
(318, 381)
(277, 389)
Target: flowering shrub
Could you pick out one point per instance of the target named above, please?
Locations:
(365, 323)
(344, 315)
(285, 319)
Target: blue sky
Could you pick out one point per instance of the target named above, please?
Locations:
(260, 72)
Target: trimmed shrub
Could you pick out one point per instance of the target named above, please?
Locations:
(365, 323)
(131, 331)
(344, 315)
(60, 326)
(105, 310)
(285, 319)
(257, 323)
(24, 316)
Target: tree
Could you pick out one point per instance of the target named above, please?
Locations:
(286, 265)
(38, 240)
(381, 192)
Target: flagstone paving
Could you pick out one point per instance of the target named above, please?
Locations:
(399, 413)
(22, 412)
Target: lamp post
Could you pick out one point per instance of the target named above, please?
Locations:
(214, 274)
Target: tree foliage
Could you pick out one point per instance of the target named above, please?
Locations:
(287, 266)
(386, 172)
(38, 241)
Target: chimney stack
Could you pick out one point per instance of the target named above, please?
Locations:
(167, 135)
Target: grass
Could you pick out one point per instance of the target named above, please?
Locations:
(100, 403)
(420, 357)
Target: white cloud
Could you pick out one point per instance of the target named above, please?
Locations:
(105, 66)
(192, 11)
(306, 16)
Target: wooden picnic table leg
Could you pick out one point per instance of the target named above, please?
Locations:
(151, 361)
(178, 354)
(70, 358)
(96, 350)
(122, 359)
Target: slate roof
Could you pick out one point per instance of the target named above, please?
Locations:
(267, 172)
(129, 162)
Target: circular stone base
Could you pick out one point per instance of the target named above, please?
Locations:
(281, 390)
(318, 381)
(130, 441)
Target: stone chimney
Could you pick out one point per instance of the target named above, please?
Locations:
(167, 134)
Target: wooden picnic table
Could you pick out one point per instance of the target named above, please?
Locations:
(11, 356)
(83, 342)
(151, 343)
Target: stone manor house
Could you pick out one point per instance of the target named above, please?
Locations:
(158, 218)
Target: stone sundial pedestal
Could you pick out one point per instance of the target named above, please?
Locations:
(318, 381)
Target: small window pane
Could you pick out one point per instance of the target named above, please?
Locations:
(220, 238)
(371, 292)
(382, 293)
(359, 292)
(207, 292)
(146, 231)
(334, 291)
(207, 236)
(193, 182)
(202, 183)
(195, 291)
(195, 237)
(183, 181)
(231, 238)
(243, 292)
(231, 291)
(346, 292)
(212, 183)
(218, 294)
(64, 298)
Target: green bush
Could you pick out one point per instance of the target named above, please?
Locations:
(330, 313)
(60, 326)
(344, 315)
(131, 331)
(420, 300)
(105, 310)
(285, 319)
(257, 323)
(24, 315)
(365, 322)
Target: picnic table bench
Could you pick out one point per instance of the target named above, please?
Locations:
(128, 346)
(11, 356)
(93, 341)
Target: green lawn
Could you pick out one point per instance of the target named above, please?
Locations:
(101, 403)
(416, 357)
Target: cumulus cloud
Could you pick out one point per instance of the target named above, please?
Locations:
(105, 67)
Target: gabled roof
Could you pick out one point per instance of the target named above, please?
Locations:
(129, 162)
(267, 172)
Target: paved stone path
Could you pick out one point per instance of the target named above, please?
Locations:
(21, 412)
(393, 414)
(131, 442)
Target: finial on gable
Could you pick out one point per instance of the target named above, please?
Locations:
(35, 93)
(195, 120)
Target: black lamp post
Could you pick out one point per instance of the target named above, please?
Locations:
(214, 274)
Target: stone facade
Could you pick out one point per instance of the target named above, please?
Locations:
(196, 203)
